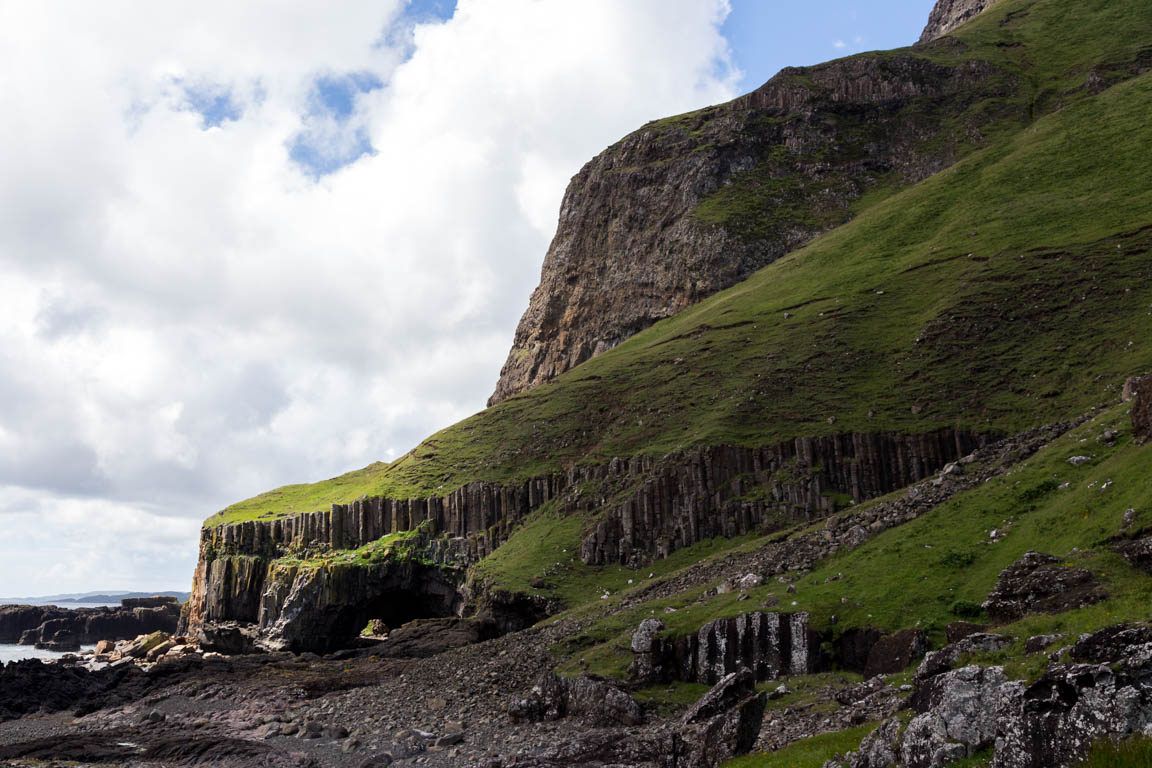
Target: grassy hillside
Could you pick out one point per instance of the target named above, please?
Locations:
(1012, 289)
(939, 567)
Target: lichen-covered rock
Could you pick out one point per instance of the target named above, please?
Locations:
(958, 716)
(1040, 583)
(879, 749)
(937, 662)
(648, 663)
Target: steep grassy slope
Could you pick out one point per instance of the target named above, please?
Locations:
(1010, 290)
(940, 567)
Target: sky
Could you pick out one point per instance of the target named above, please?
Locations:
(250, 244)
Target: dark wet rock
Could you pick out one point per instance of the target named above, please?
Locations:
(1141, 392)
(230, 637)
(855, 644)
(428, 637)
(958, 630)
(895, 652)
(1040, 583)
(157, 601)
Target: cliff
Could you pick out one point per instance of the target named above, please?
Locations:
(312, 581)
(690, 205)
(949, 14)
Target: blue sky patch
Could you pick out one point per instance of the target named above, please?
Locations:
(336, 94)
(421, 11)
(213, 102)
(319, 157)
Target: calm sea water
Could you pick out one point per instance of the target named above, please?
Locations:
(16, 652)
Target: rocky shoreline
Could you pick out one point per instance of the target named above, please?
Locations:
(51, 628)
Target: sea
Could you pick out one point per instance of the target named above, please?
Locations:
(17, 652)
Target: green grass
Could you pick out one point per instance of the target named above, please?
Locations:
(1135, 752)
(545, 549)
(808, 753)
(1009, 290)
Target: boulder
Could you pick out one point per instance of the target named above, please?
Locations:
(140, 647)
(895, 652)
(230, 638)
(724, 723)
(1039, 583)
(937, 662)
(648, 663)
(960, 717)
(428, 637)
(595, 702)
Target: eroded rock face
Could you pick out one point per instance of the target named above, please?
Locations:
(647, 227)
(949, 14)
(768, 645)
(1039, 583)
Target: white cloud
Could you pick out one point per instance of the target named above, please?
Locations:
(188, 316)
(839, 44)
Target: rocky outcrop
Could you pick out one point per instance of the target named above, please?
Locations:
(949, 14)
(723, 724)
(768, 645)
(323, 608)
(1105, 692)
(1040, 583)
(596, 703)
(730, 491)
(32, 624)
(688, 206)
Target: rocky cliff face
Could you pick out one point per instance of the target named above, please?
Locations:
(279, 576)
(949, 14)
(691, 205)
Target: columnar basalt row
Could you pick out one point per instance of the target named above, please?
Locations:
(651, 506)
(730, 491)
(477, 508)
(769, 645)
